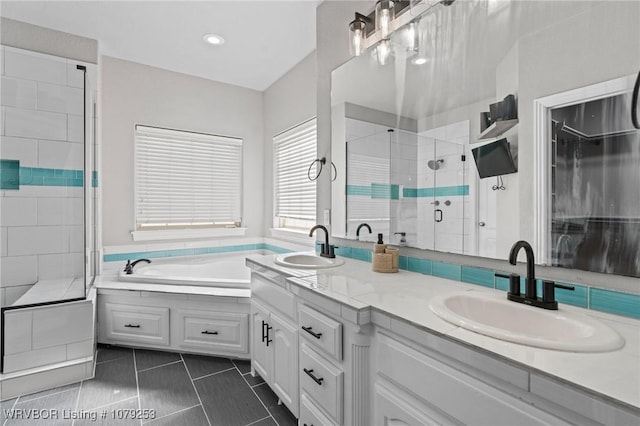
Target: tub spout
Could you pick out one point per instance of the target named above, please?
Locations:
(128, 268)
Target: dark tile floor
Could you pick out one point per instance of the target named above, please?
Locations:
(175, 389)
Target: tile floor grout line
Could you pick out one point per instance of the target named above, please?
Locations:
(77, 401)
(171, 414)
(100, 407)
(158, 366)
(259, 420)
(206, 416)
(264, 405)
(135, 371)
(212, 374)
(40, 397)
(12, 407)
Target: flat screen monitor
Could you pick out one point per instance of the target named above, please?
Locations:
(494, 159)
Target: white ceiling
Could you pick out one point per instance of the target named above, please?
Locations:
(264, 39)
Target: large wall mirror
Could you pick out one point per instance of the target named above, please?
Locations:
(499, 121)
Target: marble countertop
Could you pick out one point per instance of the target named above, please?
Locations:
(406, 295)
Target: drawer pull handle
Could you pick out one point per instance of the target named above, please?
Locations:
(132, 325)
(265, 333)
(311, 332)
(308, 425)
(209, 332)
(315, 379)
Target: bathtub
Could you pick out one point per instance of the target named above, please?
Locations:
(227, 271)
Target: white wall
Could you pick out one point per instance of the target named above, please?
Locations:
(140, 94)
(289, 101)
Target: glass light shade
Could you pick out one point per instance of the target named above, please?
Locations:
(357, 37)
(412, 37)
(383, 52)
(385, 13)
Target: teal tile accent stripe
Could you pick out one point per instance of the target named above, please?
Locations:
(392, 192)
(118, 257)
(615, 302)
(94, 179)
(9, 174)
(36, 176)
(440, 191)
(359, 190)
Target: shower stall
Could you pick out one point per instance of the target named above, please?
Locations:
(47, 215)
(412, 188)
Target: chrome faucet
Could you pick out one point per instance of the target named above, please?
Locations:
(362, 225)
(128, 268)
(530, 297)
(326, 249)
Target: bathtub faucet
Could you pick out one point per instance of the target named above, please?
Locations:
(128, 268)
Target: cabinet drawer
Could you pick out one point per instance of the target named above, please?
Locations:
(143, 324)
(310, 415)
(215, 331)
(265, 289)
(321, 331)
(322, 382)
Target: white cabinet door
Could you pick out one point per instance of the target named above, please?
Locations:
(285, 362)
(393, 407)
(261, 354)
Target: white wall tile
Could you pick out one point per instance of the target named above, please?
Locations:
(35, 124)
(75, 77)
(18, 270)
(68, 323)
(21, 149)
(43, 192)
(57, 98)
(36, 358)
(11, 294)
(3, 241)
(53, 266)
(18, 211)
(35, 67)
(28, 240)
(46, 379)
(17, 329)
(80, 349)
(76, 238)
(60, 155)
(75, 129)
(17, 92)
(60, 211)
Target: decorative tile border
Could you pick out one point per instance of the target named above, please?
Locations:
(119, 257)
(36, 176)
(392, 192)
(609, 301)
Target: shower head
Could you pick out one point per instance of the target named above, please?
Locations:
(434, 164)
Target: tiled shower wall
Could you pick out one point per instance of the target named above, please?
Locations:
(451, 190)
(42, 127)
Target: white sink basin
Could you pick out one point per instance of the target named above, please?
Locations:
(495, 316)
(307, 261)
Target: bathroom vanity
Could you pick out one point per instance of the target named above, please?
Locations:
(361, 348)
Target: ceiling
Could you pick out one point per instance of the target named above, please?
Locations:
(264, 39)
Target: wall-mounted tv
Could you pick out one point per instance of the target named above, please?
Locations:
(494, 159)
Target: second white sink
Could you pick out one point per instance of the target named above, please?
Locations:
(493, 315)
(307, 261)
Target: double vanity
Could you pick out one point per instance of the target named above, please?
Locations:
(340, 344)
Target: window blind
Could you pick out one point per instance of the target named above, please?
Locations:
(363, 171)
(185, 179)
(295, 194)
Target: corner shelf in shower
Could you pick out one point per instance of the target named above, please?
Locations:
(497, 129)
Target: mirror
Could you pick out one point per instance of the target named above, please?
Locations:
(412, 138)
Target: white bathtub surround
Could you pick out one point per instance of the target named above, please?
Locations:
(398, 306)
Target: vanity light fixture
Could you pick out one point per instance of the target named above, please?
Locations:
(385, 14)
(389, 15)
(214, 39)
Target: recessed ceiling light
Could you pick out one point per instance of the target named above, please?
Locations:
(214, 39)
(419, 60)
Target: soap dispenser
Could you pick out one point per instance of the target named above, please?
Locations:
(380, 246)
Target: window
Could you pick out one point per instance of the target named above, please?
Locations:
(186, 179)
(295, 194)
